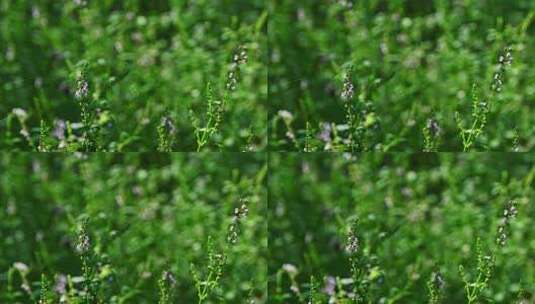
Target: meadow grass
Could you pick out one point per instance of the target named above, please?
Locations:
(401, 75)
(133, 75)
(133, 228)
(401, 228)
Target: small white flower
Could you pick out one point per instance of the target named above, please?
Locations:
(241, 212)
(433, 127)
(509, 212)
(23, 268)
(169, 278)
(290, 269)
(240, 57)
(24, 133)
(20, 113)
(168, 124)
(234, 227)
(353, 244)
(61, 284)
(507, 57)
(348, 89)
(285, 115)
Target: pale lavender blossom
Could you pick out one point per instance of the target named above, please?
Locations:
(59, 129)
(82, 89)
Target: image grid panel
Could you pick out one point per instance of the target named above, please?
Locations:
(401, 228)
(133, 228)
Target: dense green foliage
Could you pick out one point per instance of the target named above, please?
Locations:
(419, 219)
(398, 75)
(133, 75)
(133, 228)
(115, 87)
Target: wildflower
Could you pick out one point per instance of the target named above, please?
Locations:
(505, 59)
(26, 287)
(325, 134)
(352, 245)
(330, 286)
(285, 115)
(290, 269)
(166, 131)
(240, 57)
(353, 242)
(60, 284)
(232, 80)
(240, 213)
(435, 286)
(169, 278)
(232, 234)
(433, 126)
(80, 2)
(510, 212)
(83, 243)
(234, 227)
(290, 135)
(437, 280)
(59, 129)
(348, 89)
(82, 89)
(497, 81)
(21, 267)
(20, 113)
(25, 133)
(168, 124)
